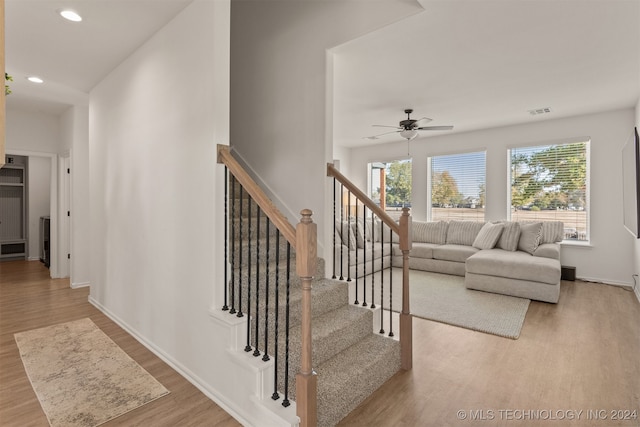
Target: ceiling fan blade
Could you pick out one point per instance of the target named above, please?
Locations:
(421, 122)
(380, 134)
(385, 126)
(435, 128)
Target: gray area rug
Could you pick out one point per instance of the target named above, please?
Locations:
(81, 377)
(444, 298)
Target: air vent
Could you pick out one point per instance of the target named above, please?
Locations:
(539, 111)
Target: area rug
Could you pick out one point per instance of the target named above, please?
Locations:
(445, 299)
(81, 377)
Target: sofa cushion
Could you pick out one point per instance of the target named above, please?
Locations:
(552, 231)
(345, 231)
(548, 250)
(514, 265)
(429, 232)
(510, 236)
(488, 236)
(457, 253)
(530, 235)
(422, 250)
(463, 232)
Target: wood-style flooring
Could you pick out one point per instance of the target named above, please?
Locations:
(576, 363)
(30, 299)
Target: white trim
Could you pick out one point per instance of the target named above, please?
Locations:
(201, 385)
(53, 204)
(565, 141)
(610, 282)
(637, 292)
(80, 285)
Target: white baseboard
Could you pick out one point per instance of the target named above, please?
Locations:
(637, 292)
(605, 282)
(33, 258)
(76, 285)
(201, 385)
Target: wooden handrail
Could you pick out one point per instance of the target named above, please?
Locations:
(332, 171)
(256, 193)
(403, 229)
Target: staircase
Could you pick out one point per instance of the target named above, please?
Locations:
(351, 361)
(301, 336)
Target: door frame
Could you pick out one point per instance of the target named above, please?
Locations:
(53, 206)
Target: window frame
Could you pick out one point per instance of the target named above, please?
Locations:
(587, 208)
(430, 158)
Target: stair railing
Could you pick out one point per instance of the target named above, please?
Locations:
(357, 217)
(303, 239)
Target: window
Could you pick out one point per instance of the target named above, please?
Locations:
(550, 182)
(395, 180)
(457, 186)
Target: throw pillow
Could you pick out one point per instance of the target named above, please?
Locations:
(510, 236)
(346, 233)
(429, 232)
(463, 232)
(488, 236)
(358, 227)
(530, 236)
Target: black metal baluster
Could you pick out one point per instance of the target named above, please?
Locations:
(373, 279)
(233, 246)
(341, 229)
(275, 395)
(225, 307)
(265, 357)
(256, 352)
(390, 289)
(240, 314)
(334, 229)
(349, 237)
(286, 402)
(373, 251)
(364, 264)
(247, 347)
(357, 225)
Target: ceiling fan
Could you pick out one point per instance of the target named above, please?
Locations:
(408, 129)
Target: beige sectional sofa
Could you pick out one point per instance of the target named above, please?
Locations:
(513, 258)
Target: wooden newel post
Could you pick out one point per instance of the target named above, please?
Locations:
(306, 261)
(406, 320)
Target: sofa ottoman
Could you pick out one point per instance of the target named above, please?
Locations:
(516, 273)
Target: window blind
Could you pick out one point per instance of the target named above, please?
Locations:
(550, 182)
(457, 186)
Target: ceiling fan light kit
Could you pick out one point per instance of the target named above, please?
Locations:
(409, 128)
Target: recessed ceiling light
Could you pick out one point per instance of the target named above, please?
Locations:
(70, 15)
(34, 79)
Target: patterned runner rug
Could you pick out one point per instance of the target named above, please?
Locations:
(81, 377)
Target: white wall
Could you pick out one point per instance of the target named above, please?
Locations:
(37, 135)
(74, 129)
(156, 212)
(39, 190)
(32, 131)
(279, 80)
(609, 258)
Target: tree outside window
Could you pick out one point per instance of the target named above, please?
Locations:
(550, 183)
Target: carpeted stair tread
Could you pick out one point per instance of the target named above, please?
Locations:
(347, 379)
(331, 333)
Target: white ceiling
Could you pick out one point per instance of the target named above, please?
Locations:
(73, 57)
(469, 63)
(480, 64)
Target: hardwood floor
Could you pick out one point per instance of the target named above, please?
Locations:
(30, 299)
(582, 354)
